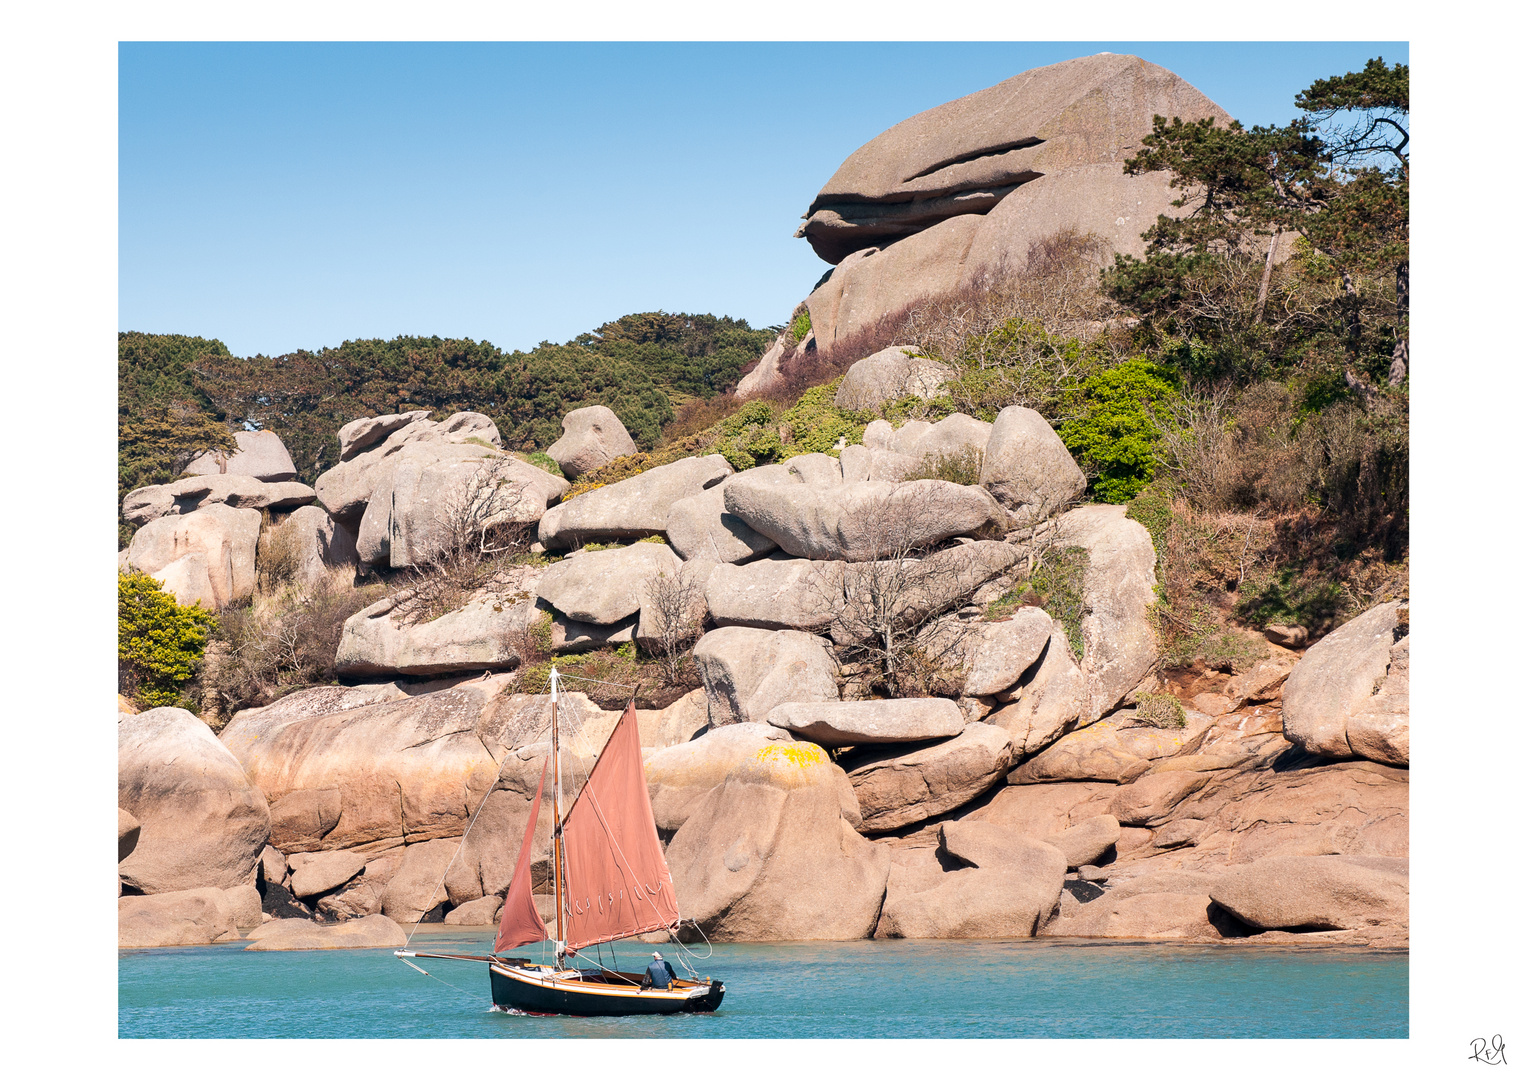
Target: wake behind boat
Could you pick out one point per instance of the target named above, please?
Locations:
(610, 882)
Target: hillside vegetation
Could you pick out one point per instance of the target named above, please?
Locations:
(178, 396)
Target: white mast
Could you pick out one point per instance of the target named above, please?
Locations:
(556, 818)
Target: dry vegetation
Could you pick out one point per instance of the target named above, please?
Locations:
(475, 531)
(283, 640)
(895, 619)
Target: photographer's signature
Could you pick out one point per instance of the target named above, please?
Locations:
(1492, 1052)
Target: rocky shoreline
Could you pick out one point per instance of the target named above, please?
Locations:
(1050, 791)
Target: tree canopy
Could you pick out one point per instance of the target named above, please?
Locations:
(1336, 178)
(176, 394)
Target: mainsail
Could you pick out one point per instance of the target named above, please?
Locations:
(618, 883)
(520, 923)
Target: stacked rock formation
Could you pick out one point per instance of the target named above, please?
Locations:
(1035, 800)
(398, 477)
(957, 194)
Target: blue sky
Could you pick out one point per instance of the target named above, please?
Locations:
(284, 196)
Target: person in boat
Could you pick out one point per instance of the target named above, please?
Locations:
(659, 973)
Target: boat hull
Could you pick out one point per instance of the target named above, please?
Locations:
(539, 990)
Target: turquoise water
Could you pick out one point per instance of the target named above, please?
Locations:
(857, 989)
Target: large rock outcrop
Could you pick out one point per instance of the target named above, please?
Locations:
(776, 593)
(678, 777)
(1118, 590)
(1150, 916)
(997, 654)
(861, 723)
(896, 786)
(890, 374)
(260, 454)
(407, 770)
(1112, 750)
(604, 587)
(769, 856)
(630, 509)
(861, 521)
(145, 504)
(957, 194)
(480, 635)
(701, 527)
(1009, 886)
(1046, 704)
(435, 491)
(749, 672)
(317, 544)
(369, 449)
(206, 557)
(369, 932)
(1349, 696)
(361, 435)
(1027, 468)
(197, 916)
(1318, 892)
(591, 437)
(202, 822)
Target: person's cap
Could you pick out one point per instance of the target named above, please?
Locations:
(657, 956)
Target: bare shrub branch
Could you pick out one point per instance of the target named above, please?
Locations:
(477, 526)
(675, 604)
(281, 642)
(891, 614)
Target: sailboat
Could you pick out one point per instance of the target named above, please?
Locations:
(609, 882)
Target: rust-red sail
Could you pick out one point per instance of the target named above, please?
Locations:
(520, 923)
(618, 883)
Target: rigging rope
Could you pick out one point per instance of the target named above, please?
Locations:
(437, 978)
(710, 949)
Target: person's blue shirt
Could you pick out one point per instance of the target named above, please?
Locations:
(659, 972)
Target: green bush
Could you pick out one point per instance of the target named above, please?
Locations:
(1230, 651)
(1008, 602)
(539, 632)
(541, 460)
(1292, 597)
(934, 409)
(1114, 433)
(814, 424)
(159, 642)
(1056, 588)
(1152, 507)
(1058, 585)
(750, 436)
(1018, 362)
(800, 326)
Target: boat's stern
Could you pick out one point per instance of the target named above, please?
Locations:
(710, 1001)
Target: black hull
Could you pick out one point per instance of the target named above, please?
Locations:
(530, 990)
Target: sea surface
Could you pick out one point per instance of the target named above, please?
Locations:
(857, 989)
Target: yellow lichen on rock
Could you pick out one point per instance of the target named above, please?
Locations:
(801, 755)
